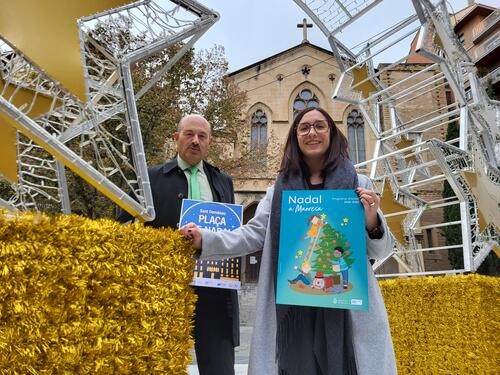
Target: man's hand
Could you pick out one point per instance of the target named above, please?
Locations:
(193, 232)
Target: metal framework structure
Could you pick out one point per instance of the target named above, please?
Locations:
(411, 161)
(99, 139)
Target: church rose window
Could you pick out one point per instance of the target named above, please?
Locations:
(356, 136)
(305, 99)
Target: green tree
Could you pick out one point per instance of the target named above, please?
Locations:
(491, 265)
(5, 189)
(330, 238)
(209, 92)
(195, 84)
(159, 109)
(453, 233)
(157, 114)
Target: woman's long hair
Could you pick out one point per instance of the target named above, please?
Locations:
(293, 160)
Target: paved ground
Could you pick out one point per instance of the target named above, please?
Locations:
(247, 297)
(238, 370)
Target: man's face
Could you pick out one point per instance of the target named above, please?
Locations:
(193, 140)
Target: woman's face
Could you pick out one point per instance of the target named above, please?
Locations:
(313, 136)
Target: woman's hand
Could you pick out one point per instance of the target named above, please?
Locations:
(371, 202)
(193, 232)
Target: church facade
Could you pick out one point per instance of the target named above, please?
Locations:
(279, 86)
(276, 88)
(305, 76)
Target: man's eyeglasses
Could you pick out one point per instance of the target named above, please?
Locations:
(319, 126)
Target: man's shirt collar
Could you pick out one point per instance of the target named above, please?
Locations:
(184, 165)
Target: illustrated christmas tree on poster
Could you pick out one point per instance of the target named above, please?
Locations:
(322, 254)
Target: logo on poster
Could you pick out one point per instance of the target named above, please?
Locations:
(293, 199)
(308, 200)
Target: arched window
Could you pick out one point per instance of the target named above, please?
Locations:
(305, 99)
(258, 134)
(356, 136)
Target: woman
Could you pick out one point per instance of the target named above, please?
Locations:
(289, 340)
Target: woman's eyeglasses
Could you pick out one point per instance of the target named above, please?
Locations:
(319, 126)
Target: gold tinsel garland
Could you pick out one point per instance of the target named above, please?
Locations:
(444, 325)
(81, 296)
(85, 296)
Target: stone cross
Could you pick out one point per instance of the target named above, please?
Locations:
(304, 26)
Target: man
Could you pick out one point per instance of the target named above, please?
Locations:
(216, 330)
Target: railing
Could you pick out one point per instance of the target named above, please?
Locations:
(489, 45)
(485, 24)
(493, 76)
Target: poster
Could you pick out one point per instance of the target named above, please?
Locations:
(322, 253)
(214, 216)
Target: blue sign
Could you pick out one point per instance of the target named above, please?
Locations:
(214, 216)
(211, 215)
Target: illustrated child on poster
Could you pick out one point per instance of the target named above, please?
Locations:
(339, 264)
(315, 222)
(304, 275)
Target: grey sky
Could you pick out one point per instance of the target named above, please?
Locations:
(252, 30)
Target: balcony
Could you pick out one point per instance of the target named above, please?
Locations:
(482, 29)
(493, 76)
(487, 46)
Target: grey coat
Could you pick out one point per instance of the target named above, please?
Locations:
(371, 335)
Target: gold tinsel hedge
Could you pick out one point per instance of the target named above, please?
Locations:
(80, 296)
(444, 325)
